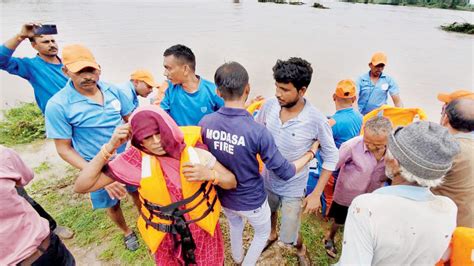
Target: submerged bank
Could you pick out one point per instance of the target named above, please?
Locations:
(450, 4)
(465, 27)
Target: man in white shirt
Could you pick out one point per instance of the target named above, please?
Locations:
(405, 224)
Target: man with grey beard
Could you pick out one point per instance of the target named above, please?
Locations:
(458, 185)
(394, 225)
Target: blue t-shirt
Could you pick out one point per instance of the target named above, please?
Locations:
(373, 96)
(187, 109)
(235, 139)
(46, 78)
(71, 115)
(348, 124)
(129, 90)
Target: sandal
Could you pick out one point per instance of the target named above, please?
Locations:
(131, 241)
(330, 248)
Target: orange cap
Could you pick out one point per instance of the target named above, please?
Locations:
(145, 76)
(77, 57)
(378, 58)
(346, 89)
(459, 94)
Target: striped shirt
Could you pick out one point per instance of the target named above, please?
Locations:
(293, 139)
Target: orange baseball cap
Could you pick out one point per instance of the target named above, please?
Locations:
(77, 57)
(459, 94)
(378, 58)
(346, 89)
(145, 76)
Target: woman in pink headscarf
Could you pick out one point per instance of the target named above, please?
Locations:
(157, 140)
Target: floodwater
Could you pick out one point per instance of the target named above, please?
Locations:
(125, 35)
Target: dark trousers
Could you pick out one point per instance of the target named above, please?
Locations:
(52, 223)
(57, 254)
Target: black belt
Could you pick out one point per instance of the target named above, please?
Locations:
(179, 225)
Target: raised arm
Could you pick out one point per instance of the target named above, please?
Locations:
(91, 177)
(25, 32)
(13, 65)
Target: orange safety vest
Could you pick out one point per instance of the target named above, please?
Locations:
(462, 248)
(203, 206)
(255, 107)
(397, 115)
(252, 109)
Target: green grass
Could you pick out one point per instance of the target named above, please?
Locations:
(22, 124)
(91, 227)
(44, 166)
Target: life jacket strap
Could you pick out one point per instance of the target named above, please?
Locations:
(169, 209)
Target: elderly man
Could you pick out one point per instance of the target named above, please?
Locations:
(141, 83)
(189, 97)
(375, 86)
(43, 71)
(361, 170)
(458, 185)
(81, 118)
(26, 237)
(405, 224)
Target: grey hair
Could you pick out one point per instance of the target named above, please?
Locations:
(410, 177)
(379, 125)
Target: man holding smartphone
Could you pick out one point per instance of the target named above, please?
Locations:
(43, 71)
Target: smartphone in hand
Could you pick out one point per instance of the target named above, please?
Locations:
(46, 29)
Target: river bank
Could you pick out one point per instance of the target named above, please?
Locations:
(98, 242)
(453, 4)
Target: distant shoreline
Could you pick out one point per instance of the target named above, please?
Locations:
(461, 5)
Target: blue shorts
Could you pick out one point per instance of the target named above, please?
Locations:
(101, 200)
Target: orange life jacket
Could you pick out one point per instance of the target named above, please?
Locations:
(252, 109)
(158, 211)
(461, 247)
(397, 115)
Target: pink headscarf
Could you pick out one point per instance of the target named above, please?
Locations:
(146, 121)
(149, 120)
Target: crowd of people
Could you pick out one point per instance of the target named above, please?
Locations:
(197, 150)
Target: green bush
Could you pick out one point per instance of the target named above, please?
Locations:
(459, 27)
(318, 5)
(22, 124)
